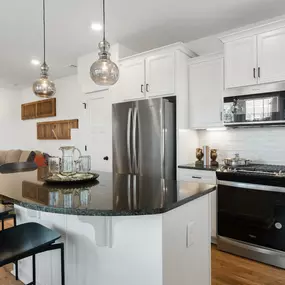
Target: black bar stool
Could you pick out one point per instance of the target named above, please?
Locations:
(28, 240)
(7, 212)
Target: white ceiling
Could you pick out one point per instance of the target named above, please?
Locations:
(137, 24)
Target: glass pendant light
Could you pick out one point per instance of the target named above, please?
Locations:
(104, 71)
(43, 87)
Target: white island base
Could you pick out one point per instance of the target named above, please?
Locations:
(173, 248)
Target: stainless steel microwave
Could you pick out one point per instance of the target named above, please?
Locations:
(259, 109)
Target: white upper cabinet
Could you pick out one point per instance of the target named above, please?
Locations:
(241, 62)
(271, 56)
(153, 74)
(131, 84)
(83, 72)
(206, 88)
(255, 56)
(160, 75)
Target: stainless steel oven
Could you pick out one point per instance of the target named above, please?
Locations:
(251, 220)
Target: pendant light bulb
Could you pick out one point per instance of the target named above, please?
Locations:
(104, 71)
(43, 87)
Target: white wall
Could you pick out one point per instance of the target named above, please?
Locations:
(261, 145)
(10, 114)
(206, 45)
(69, 106)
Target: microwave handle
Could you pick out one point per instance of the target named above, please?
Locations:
(221, 111)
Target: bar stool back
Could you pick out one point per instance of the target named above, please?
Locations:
(28, 240)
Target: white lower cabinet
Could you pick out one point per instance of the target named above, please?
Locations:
(203, 176)
(193, 175)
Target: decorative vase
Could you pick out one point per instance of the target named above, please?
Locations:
(214, 156)
(199, 156)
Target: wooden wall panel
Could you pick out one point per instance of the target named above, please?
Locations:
(39, 109)
(56, 130)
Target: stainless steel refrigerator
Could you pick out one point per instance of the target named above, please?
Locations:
(144, 138)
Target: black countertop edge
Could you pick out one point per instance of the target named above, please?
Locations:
(193, 166)
(94, 212)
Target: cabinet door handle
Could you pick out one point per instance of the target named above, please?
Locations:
(196, 177)
(147, 88)
(254, 73)
(141, 88)
(258, 72)
(221, 116)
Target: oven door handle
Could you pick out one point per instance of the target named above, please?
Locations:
(250, 186)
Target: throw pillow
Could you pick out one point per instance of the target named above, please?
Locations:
(40, 161)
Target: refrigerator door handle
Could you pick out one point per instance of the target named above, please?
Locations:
(135, 117)
(135, 192)
(129, 139)
(129, 193)
(162, 147)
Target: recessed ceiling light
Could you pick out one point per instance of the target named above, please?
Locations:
(96, 27)
(35, 62)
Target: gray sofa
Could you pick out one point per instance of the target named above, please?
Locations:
(17, 155)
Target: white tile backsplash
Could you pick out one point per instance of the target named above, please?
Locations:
(261, 145)
(188, 141)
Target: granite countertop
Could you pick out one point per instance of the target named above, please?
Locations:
(111, 195)
(193, 166)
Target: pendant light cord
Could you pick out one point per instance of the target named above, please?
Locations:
(104, 21)
(44, 28)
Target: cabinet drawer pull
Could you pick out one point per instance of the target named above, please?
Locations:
(196, 177)
(254, 73)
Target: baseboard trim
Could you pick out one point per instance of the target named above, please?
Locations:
(214, 240)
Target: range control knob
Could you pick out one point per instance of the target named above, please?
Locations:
(278, 226)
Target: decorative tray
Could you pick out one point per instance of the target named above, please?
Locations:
(75, 178)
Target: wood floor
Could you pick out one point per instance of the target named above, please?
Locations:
(227, 269)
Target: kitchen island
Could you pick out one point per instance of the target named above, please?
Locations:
(122, 229)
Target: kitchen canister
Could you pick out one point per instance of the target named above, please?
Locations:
(206, 151)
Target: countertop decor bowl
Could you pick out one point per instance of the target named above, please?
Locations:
(76, 178)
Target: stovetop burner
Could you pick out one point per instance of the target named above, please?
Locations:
(261, 174)
(256, 169)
